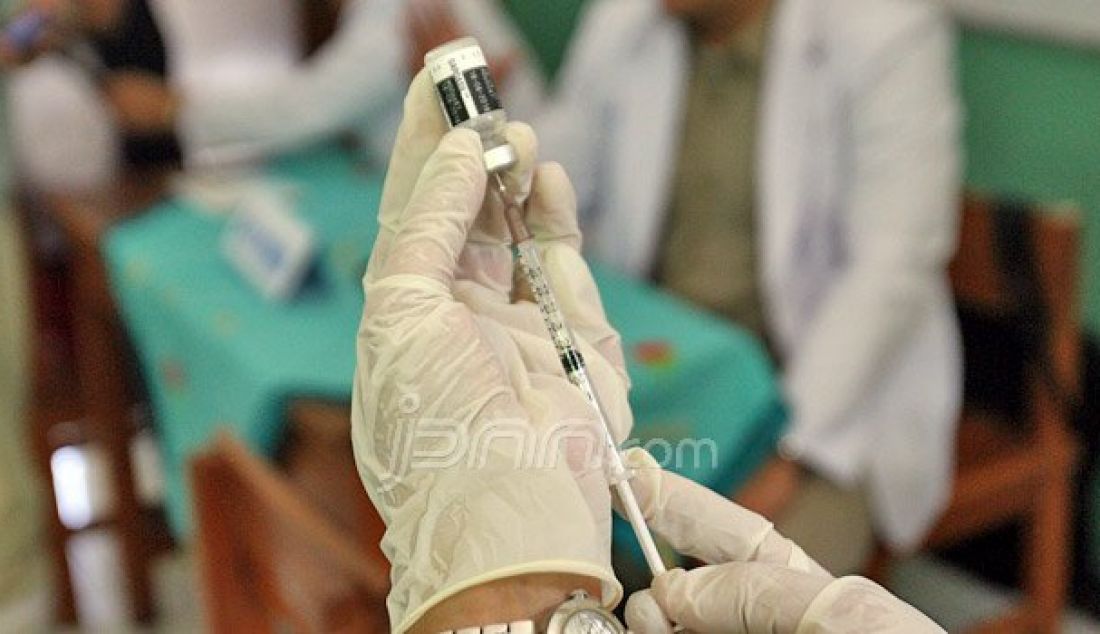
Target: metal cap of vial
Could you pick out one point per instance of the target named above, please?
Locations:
(450, 47)
(500, 158)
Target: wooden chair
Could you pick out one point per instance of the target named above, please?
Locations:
(1023, 470)
(85, 391)
(269, 562)
(319, 461)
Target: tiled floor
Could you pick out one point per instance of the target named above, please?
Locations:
(102, 599)
(955, 599)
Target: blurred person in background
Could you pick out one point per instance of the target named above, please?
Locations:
(792, 165)
(65, 132)
(354, 82)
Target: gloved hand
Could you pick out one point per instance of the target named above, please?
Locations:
(459, 409)
(757, 580)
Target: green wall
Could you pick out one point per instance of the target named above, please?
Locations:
(548, 26)
(1034, 130)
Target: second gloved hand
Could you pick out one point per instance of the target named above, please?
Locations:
(756, 580)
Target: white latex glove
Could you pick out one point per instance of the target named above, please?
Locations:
(457, 408)
(757, 580)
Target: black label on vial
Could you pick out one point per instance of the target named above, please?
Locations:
(482, 89)
(451, 97)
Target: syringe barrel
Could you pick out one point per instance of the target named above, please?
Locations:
(568, 351)
(469, 97)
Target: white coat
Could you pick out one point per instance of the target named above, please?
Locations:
(236, 108)
(858, 171)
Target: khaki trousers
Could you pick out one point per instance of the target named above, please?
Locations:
(832, 524)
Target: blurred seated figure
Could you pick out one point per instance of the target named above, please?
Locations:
(227, 81)
(792, 165)
(64, 130)
(222, 107)
(354, 82)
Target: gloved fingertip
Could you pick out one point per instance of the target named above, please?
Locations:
(523, 139)
(799, 560)
(421, 92)
(421, 117)
(644, 615)
(462, 141)
(554, 194)
(666, 584)
(638, 458)
(644, 479)
(552, 211)
(554, 172)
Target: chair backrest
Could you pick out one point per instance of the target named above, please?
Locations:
(983, 273)
(269, 562)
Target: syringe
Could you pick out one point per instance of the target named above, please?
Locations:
(575, 369)
(469, 99)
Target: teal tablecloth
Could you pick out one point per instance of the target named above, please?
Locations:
(215, 354)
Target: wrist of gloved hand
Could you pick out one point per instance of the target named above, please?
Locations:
(492, 525)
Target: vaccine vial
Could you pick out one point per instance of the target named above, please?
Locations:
(469, 98)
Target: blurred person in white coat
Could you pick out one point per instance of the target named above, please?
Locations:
(355, 82)
(793, 165)
(237, 91)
